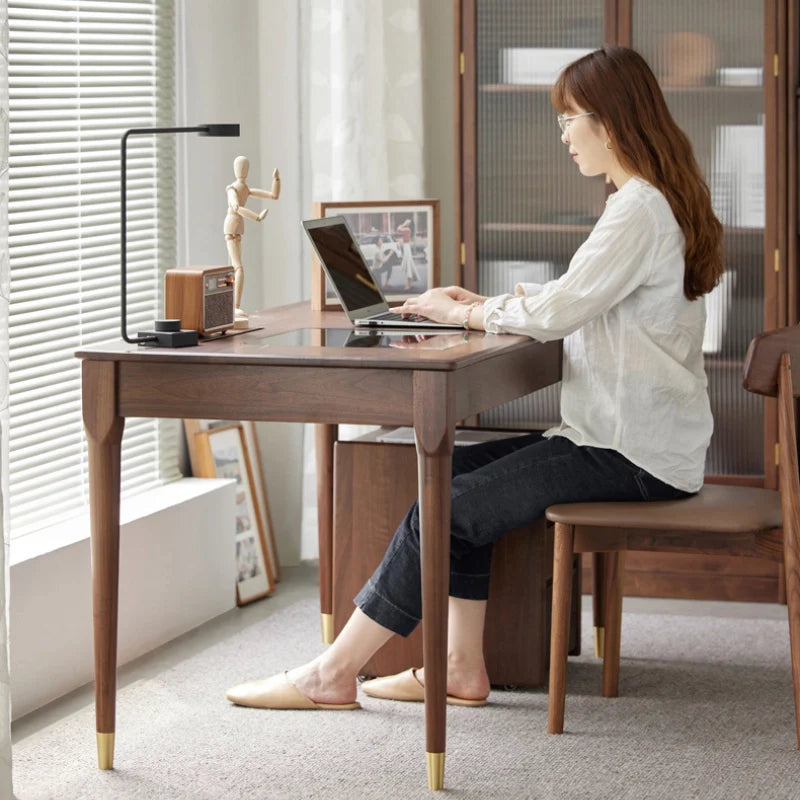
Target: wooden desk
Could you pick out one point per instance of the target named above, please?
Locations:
(247, 377)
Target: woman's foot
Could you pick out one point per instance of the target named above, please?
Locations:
(324, 684)
(278, 692)
(407, 687)
(466, 682)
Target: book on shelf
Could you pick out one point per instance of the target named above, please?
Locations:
(737, 177)
(501, 277)
(740, 76)
(536, 65)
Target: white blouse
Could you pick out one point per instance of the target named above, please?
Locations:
(633, 376)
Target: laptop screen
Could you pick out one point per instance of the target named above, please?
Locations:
(343, 262)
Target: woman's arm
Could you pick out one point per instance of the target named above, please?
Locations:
(616, 259)
(462, 295)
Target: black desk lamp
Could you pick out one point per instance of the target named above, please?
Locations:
(167, 332)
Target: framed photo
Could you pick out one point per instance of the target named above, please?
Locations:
(262, 501)
(399, 240)
(194, 426)
(222, 453)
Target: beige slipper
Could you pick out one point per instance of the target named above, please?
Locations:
(280, 693)
(406, 686)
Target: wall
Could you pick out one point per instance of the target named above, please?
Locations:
(284, 263)
(218, 81)
(439, 98)
(241, 66)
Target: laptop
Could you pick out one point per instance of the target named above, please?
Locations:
(360, 296)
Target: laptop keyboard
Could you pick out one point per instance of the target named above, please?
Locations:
(387, 315)
(392, 315)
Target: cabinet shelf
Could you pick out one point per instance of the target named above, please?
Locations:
(710, 361)
(513, 88)
(544, 227)
(531, 88)
(534, 227)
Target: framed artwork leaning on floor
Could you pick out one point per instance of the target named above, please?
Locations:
(222, 452)
(194, 426)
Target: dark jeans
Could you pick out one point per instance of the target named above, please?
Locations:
(497, 487)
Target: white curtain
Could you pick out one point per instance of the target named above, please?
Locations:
(365, 128)
(5, 695)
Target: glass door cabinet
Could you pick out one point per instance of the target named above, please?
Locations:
(729, 73)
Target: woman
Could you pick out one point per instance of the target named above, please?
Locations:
(380, 268)
(407, 265)
(636, 420)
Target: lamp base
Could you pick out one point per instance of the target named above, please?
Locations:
(170, 338)
(168, 333)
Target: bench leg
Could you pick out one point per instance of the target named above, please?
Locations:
(559, 626)
(615, 574)
(599, 601)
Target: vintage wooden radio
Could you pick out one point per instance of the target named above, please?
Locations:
(201, 298)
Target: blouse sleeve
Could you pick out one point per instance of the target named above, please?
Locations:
(615, 259)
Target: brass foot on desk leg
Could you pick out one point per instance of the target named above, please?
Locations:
(327, 628)
(105, 750)
(435, 770)
(599, 642)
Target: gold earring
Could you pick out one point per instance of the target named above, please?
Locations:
(608, 145)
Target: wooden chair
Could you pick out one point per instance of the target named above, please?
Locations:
(726, 520)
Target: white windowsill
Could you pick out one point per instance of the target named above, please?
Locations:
(177, 570)
(74, 530)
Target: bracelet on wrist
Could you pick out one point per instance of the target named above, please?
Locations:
(467, 313)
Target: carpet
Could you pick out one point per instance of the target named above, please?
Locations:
(705, 711)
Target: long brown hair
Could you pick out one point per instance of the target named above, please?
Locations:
(616, 84)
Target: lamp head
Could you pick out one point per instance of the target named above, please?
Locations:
(220, 129)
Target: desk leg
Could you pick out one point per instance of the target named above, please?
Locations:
(104, 434)
(434, 431)
(325, 437)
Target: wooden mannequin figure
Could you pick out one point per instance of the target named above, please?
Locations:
(237, 193)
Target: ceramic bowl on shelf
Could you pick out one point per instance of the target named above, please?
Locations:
(687, 59)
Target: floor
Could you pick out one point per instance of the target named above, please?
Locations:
(298, 582)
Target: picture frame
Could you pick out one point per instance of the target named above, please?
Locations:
(194, 426)
(262, 500)
(221, 452)
(400, 243)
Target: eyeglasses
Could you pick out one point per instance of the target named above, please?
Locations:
(564, 121)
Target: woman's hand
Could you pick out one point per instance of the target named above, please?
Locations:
(442, 304)
(463, 295)
(435, 304)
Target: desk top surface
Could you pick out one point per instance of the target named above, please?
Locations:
(263, 345)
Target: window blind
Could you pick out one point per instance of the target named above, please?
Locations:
(80, 73)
